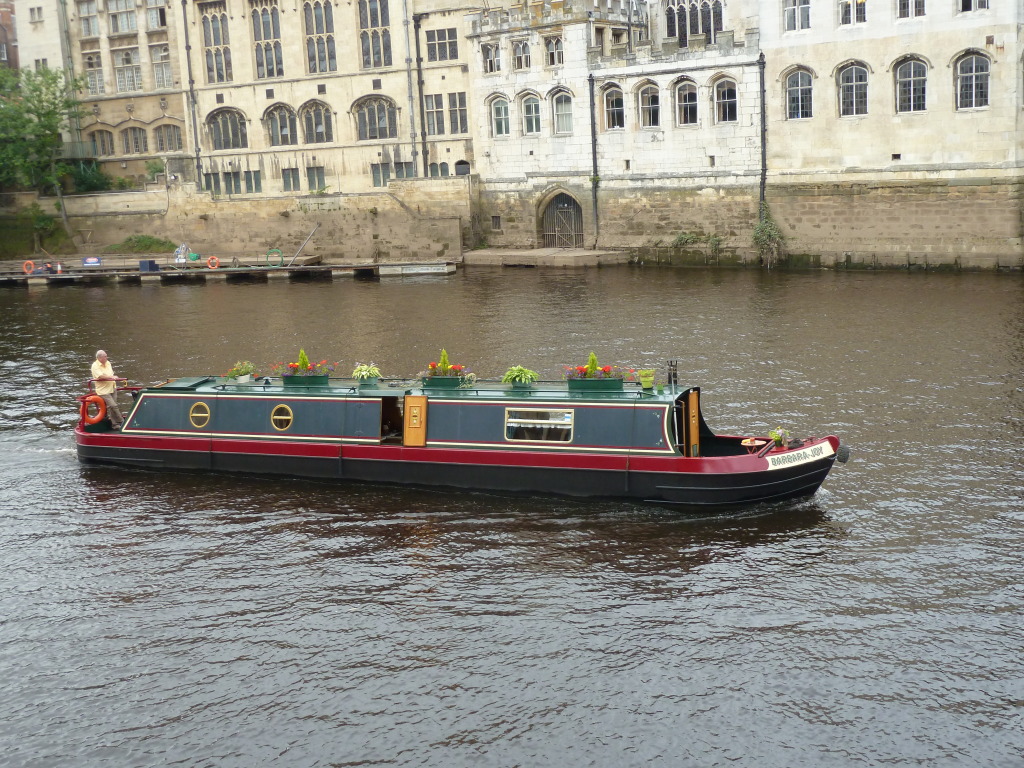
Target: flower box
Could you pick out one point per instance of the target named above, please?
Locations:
(305, 382)
(442, 382)
(595, 385)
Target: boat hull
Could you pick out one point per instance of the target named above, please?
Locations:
(705, 483)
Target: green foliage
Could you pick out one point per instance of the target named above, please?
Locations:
(686, 238)
(124, 183)
(34, 107)
(768, 238)
(154, 168)
(43, 224)
(366, 371)
(592, 365)
(303, 360)
(443, 364)
(143, 244)
(89, 178)
(518, 374)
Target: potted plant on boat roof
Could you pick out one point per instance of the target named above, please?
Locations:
(447, 375)
(303, 373)
(780, 436)
(367, 374)
(520, 377)
(594, 376)
(242, 371)
(646, 378)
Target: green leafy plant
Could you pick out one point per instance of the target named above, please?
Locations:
(241, 368)
(518, 374)
(142, 244)
(779, 435)
(768, 238)
(154, 168)
(646, 377)
(303, 367)
(366, 371)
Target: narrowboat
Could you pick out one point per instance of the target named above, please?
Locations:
(608, 439)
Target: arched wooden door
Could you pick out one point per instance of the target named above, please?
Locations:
(563, 223)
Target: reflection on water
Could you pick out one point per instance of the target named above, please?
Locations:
(203, 620)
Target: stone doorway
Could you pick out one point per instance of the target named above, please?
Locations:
(562, 223)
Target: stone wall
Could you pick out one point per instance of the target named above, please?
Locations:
(420, 220)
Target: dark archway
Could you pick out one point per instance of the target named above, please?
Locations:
(562, 223)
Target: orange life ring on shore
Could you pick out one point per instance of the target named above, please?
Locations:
(213, 262)
(28, 267)
(101, 409)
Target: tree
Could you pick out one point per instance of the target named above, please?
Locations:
(35, 106)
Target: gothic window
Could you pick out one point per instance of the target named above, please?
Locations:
(281, 126)
(499, 118)
(320, 48)
(911, 82)
(614, 109)
(127, 71)
(216, 50)
(726, 101)
(686, 104)
(375, 34)
(90, 21)
(316, 122)
(798, 95)
(972, 76)
(160, 55)
(227, 129)
(266, 34)
(492, 58)
(102, 143)
(563, 113)
(168, 138)
(93, 74)
(853, 90)
(134, 141)
(376, 118)
(553, 50)
(686, 18)
(521, 55)
(650, 107)
(531, 115)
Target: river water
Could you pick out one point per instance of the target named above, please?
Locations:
(157, 619)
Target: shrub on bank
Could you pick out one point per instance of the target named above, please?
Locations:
(142, 244)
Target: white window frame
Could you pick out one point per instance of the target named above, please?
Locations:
(548, 425)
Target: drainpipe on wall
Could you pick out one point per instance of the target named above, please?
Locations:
(416, 18)
(411, 91)
(594, 179)
(192, 93)
(764, 139)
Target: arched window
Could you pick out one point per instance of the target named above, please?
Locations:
(227, 129)
(444, 170)
(492, 58)
(553, 48)
(853, 90)
(650, 107)
(102, 143)
(376, 118)
(499, 118)
(168, 138)
(375, 38)
(686, 104)
(281, 126)
(318, 18)
(134, 141)
(798, 95)
(531, 115)
(316, 120)
(266, 32)
(614, 109)
(521, 55)
(461, 168)
(972, 76)
(911, 85)
(94, 74)
(563, 113)
(725, 101)
(216, 47)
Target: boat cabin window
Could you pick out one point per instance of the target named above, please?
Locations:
(551, 426)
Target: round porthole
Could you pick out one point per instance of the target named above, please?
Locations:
(199, 415)
(281, 417)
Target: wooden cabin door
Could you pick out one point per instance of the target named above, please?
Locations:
(415, 434)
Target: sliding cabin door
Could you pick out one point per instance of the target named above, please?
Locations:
(688, 422)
